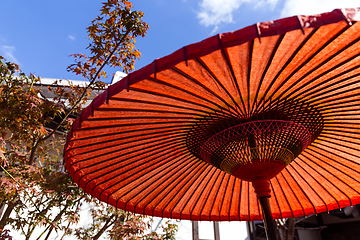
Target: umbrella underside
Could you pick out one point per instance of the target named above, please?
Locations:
(250, 149)
(146, 149)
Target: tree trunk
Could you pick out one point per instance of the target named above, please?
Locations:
(7, 213)
(2, 207)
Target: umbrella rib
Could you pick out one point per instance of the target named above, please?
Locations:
(344, 104)
(300, 158)
(343, 172)
(269, 62)
(338, 135)
(165, 161)
(223, 196)
(149, 136)
(144, 118)
(282, 138)
(276, 199)
(181, 178)
(175, 129)
(232, 193)
(234, 78)
(179, 161)
(205, 88)
(138, 117)
(142, 134)
(114, 170)
(182, 100)
(171, 168)
(341, 98)
(215, 174)
(336, 95)
(165, 147)
(241, 190)
(287, 200)
(218, 84)
(317, 88)
(285, 66)
(162, 104)
(182, 90)
(200, 194)
(356, 156)
(302, 190)
(343, 122)
(307, 61)
(212, 189)
(153, 158)
(248, 194)
(325, 97)
(194, 179)
(133, 124)
(318, 182)
(292, 190)
(157, 176)
(309, 185)
(131, 110)
(341, 113)
(335, 175)
(139, 184)
(341, 128)
(125, 146)
(325, 61)
(251, 51)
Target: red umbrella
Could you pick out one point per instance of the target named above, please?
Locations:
(275, 105)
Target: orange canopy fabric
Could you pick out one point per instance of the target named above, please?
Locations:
(130, 147)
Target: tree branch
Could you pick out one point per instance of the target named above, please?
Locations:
(68, 225)
(94, 78)
(106, 226)
(51, 226)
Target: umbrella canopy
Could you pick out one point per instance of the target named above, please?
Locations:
(186, 136)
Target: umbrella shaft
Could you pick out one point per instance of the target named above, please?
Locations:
(270, 228)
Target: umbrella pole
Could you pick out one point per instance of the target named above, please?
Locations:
(270, 228)
(263, 193)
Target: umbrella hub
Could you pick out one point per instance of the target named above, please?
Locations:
(256, 149)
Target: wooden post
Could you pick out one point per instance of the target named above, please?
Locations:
(195, 230)
(269, 223)
(216, 231)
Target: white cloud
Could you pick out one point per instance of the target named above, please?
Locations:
(71, 37)
(8, 53)
(215, 12)
(309, 7)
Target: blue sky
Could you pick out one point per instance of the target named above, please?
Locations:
(40, 35)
